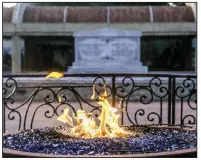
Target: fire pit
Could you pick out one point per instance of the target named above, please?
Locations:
(84, 136)
(147, 142)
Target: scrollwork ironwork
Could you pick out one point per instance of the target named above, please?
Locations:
(185, 92)
(66, 105)
(120, 90)
(144, 99)
(96, 109)
(13, 117)
(10, 82)
(180, 90)
(99, 82)
(45, 113)
(141, 112)
(47, 99)
(163, 91)
(189, 102)
(152, 119)
(126, 90)
(193, 121)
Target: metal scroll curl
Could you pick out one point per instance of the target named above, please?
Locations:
(99, 84)
(12, 117)
(144, 99)
(121, 92)
(96, 110)
(9, 88)
(190, 119)
(161, 91)
(186, 89)
(191, 101)
(152, 119)
(139, 112)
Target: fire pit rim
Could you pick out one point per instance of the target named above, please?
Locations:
(158, 154)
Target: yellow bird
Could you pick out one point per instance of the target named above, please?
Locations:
(55, 75)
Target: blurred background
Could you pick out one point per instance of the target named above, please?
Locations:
(37, 37)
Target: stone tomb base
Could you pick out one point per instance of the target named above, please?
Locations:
(107, 67)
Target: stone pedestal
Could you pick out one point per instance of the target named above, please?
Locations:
(107, 50)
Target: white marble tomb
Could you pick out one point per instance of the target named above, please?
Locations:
(107, 50)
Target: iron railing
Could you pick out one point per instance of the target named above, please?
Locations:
(175, 95)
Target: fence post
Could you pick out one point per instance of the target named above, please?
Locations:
(173, 99)
(169, 98)
(113, 91)
(4, 115)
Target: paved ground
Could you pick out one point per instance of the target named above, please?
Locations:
(40, 120)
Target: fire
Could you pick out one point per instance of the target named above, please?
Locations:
(86, 126)
(55, 75)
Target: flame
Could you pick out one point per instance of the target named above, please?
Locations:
(86, 126)
(59, 99)
(65, 118)
(55, 75)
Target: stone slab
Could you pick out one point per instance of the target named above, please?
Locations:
(63, 29)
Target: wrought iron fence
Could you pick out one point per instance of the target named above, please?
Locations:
(173, 97)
